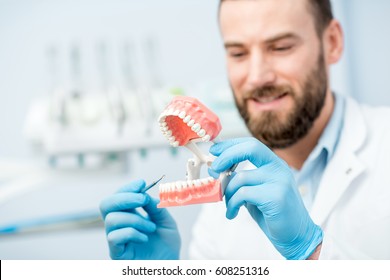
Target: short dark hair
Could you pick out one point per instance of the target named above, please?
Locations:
(321, 11)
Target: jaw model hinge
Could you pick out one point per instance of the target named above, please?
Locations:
(194, 165)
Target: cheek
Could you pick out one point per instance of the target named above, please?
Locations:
(296, 68)
(292, 69)
(237, 75)
(300, 64)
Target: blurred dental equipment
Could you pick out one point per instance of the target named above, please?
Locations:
(86, 123)
(87, 218)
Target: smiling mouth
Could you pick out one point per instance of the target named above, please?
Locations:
(269, 99)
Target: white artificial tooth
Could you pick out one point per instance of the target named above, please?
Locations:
(184, 184)
(187, 119)
(178, 185)
(161, 118)
(176, 112)
(182, 115)
(196, 127)
(171, 139)
(164, 128)
(202, 133)
(197, 183)
(210, 179)
(170, 111)
(206, 138)
(162, 188)
(190, 183)
(163, 124)
(175, 144)
(168, 133)
(191, 123)
(204, 181)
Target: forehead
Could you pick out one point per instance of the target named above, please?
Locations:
(265, 18)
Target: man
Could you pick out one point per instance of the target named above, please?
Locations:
(312, 152)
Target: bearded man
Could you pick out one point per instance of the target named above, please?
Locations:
(317, 184)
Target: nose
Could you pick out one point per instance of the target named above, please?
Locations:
(260, 72)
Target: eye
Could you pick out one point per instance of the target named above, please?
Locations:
(281, 48)
(236, 53)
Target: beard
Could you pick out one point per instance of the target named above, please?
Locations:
(278, 132)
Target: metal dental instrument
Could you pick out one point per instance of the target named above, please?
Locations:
(148, 187)
(86, 218)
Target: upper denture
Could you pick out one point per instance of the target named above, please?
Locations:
(185, 118)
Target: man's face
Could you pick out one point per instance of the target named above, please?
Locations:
(276, 67)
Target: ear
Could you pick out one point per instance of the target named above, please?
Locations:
(333, 39)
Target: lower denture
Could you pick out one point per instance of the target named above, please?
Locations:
(209, 192)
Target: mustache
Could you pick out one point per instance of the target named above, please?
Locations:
(267, 91)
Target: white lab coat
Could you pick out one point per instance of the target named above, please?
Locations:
(352, 204)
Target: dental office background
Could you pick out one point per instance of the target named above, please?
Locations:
(81, 85)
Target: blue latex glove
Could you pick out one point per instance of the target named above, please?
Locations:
(130, 235)
(269, 193)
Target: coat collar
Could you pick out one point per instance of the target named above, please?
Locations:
(345, 166)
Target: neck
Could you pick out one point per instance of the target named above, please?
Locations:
(296, 154)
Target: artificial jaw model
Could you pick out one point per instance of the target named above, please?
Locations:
(184, 122)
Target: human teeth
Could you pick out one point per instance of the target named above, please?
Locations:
(206, 138)
(202, 133)
(191, 123)
(182, 115)
(187, 119)
(196, 127)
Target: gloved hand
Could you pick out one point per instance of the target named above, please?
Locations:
(269, 193)
(130, 235)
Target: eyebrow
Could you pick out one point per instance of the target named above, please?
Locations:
(287, 35)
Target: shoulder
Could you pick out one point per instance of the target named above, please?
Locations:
(373, 115)
(367, 130)
(375, 119)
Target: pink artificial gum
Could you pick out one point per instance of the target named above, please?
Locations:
(212, 193)
(185, 121)
(192, 107)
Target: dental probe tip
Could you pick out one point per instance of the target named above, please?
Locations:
(148, 187)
